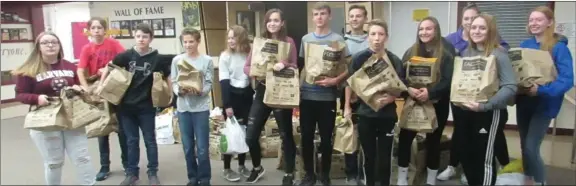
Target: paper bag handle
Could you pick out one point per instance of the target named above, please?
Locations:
(51, 100)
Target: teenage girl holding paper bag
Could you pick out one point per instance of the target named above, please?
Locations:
(259, 113)
(542, 102)
(482, 119)
(429, 44)
(45, 73)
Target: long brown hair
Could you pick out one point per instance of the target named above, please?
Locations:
(242, 40)
(35, 65)
(436, 44)
(282, 33)
(492, 41)
(549, 38)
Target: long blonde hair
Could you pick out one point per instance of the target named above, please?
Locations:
(242, 41)
(35, 65)
(492, 41)
(436, 44)
(549, 38)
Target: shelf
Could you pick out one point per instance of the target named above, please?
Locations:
(13, 22)
(18, 41)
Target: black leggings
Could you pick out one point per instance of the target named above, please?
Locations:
(500, 145)
(259, 113)
(241, 103)
(376, 138)
(321, 113)
(477, 146)
(432, 139)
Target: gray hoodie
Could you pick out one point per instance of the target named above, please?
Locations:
(356, 43)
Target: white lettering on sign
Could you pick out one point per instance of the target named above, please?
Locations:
(140, 11)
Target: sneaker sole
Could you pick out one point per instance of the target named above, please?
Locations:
(232, 180)
(259, 176)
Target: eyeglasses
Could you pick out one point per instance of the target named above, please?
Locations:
(47, 43)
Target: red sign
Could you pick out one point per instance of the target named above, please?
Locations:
(79, 39)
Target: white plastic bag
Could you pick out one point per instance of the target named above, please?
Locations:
(164, 130)
(233, 138)
(510, 179)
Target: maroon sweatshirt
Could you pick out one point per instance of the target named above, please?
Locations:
(49, 83)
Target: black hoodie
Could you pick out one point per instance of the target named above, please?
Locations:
(138, 95)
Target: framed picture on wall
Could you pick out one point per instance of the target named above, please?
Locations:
(14, 34)
(158, 27)
(115, 29)
(147, 21)
(247, 19)
(191, 14)
(125, 29)
(23, 33)
(135, 23)
(169, 27)
(5, 34)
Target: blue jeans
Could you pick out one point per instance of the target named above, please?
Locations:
(130, 122)
(194, 129)
(532, 126)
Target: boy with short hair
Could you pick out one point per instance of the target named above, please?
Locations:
(136, 111)
(318, 104)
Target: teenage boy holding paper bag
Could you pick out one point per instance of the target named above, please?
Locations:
(318, 105)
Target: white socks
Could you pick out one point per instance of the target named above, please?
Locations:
(431, 179)
(402, 176)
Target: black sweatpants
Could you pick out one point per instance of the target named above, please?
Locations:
(500, 145)
(432, 139)
(477, 147)
(322, 113)
(240, 101)
(259, 113)
(376, 138)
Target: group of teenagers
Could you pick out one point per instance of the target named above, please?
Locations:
(478, 127)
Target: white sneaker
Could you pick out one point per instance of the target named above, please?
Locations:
(446, 174)
(463, 179)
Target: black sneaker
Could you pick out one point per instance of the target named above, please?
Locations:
(309, 180)
(325, 181)
(129, 180)
(255, 175)
(103, 173)
(288, 180)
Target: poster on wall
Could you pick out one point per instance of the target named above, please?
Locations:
(79, 39)
(115, 25)
(247, 20)
(191, 14)
(134, 24)
(169, 27)
(158, 27)
(125, 29)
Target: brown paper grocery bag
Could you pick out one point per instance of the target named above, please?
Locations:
(418, 117)
(532, 66)
(345, 140)
(106, 124)
(51, 117)
(115, 84)
(282, 89)
(188, 76)
(176, 130)
(421, 72)
(474, 79)
(78, 111)
(266, 53)
(376, 77)
(324, 61)
(160, 93)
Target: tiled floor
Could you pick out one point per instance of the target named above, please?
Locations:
(21, 163)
